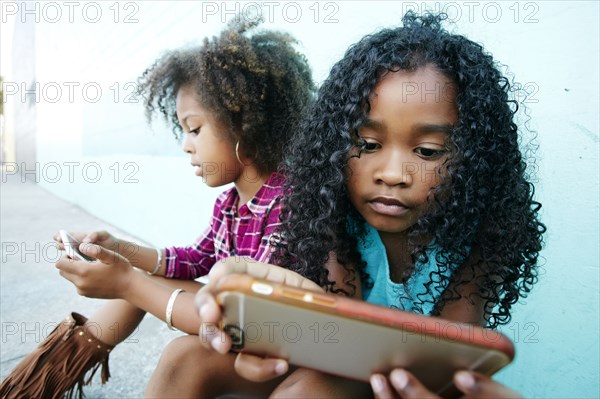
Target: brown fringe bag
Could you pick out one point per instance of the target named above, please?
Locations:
(59, 364)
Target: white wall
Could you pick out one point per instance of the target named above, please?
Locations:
(552, 47)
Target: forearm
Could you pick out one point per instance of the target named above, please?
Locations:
(153, 297)
(143, 258)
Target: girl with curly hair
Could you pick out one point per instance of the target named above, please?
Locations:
(409, 170)
(407, 173)
(235, 98)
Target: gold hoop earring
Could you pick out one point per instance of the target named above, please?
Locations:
(237, 155)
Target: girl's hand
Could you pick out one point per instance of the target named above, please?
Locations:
(102, 238)
(251, 367)
(406, 386)
(108, 277)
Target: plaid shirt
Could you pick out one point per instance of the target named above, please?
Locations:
(250, 234)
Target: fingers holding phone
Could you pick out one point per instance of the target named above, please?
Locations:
(102, 238)
(71, 245)
(264, 271)
(210, 311)
(259, 369)
(210, 314)
(400, 384)
(211, 336)
(253, 368)
(106, 277)
(58, 237)
(472, 385)
(475, 385)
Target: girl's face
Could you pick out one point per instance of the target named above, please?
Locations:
(212, 153)
(410, 117)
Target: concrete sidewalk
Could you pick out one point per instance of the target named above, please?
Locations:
(33, 296)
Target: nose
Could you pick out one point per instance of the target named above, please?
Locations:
(187, 144)
(394, 169)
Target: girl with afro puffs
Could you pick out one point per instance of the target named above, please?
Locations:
(235, 100)
(408, 174)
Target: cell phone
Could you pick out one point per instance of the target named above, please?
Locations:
(72, 247)
(352, 338)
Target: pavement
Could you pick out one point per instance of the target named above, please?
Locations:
(34, 297)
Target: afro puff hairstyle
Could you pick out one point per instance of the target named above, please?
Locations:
(257, 85)
(484, 201)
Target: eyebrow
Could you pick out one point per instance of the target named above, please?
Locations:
(435, 128)
(187, 116)
(372, 124)
(421, 128)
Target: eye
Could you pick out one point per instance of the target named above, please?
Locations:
(195, 131)
(367, 146)
(430, 153)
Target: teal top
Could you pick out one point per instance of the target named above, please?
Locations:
(412, 295)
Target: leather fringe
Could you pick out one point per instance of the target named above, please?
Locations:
(58, 367)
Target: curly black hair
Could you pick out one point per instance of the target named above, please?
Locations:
(257, 85)
(484, 204)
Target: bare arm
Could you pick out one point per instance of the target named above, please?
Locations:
(112, 276)
(470, 307)
(465, 310)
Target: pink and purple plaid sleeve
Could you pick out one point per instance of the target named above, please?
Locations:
(188, 263)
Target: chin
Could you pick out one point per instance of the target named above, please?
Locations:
(211, 183)
(391, 229)
(388, 226)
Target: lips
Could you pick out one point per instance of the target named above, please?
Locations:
(388, 206)
(198, 171)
